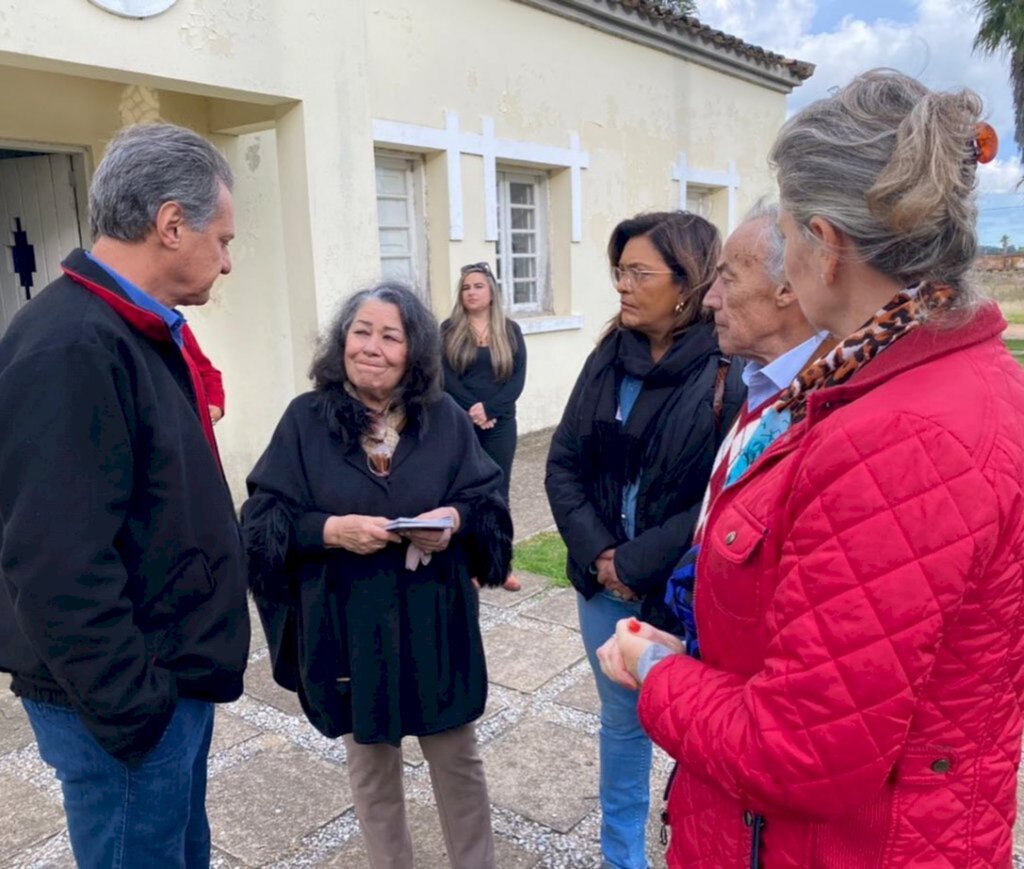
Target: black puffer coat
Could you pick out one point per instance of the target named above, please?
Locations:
(668, 443)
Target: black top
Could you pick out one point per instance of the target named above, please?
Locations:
(372, 648)
(668, 444)
(477, 383)
(123, 583)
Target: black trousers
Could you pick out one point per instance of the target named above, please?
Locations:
(500, 444)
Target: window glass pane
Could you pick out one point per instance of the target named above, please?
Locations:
(391, 181)
(524, 267)
(523, 218)
(392, 212)
(524, 242)
(394, 242)
(520, 194)
(525, 293)
(698, 201)
(396, 269)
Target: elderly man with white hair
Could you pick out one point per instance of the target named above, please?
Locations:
(758, 319)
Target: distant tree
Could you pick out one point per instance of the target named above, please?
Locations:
(1002, 27)
(676, 7)
(1005, 242)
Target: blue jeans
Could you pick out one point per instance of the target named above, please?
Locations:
(625, 749)
(119, 816)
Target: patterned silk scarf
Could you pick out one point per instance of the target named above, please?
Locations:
(380, 440)
(907, 310)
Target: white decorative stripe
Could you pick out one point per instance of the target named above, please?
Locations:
(728, 180)
(537, 325)
(455, 142)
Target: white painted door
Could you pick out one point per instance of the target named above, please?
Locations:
(39, 226)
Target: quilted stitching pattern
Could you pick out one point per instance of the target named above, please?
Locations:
(890, 636)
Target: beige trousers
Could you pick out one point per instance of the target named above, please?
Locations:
(457, 776)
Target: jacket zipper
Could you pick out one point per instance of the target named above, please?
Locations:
(663, 834)
(756, 824)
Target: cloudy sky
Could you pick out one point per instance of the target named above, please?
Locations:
(930, 39)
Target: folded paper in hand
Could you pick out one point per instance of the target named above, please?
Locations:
(441, 523)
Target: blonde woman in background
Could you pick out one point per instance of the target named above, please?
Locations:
(485, 367)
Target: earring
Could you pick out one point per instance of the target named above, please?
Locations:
(680, 306)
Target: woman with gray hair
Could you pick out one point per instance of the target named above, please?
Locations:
(369, 514)
(857, 700)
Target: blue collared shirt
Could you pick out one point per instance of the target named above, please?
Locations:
(174, 320)
(764, 382)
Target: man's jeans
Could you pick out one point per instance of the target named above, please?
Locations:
(625, 748)
(119, 816)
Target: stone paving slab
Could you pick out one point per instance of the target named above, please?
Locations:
(229, 730)
(530, 510)
(259, 639)
(557, 608)
(524, 658)
(37, 817)
(499, 597)
(260, 684)
(582, 696)
(261, 809)
(544, 772)
(428, 846)
(15, 731)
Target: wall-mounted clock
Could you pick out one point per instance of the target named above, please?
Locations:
(135, 8)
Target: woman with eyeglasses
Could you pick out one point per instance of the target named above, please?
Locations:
(627, 470)
(375, 625)
(485, 368)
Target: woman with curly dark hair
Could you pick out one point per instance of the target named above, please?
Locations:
(374, 622)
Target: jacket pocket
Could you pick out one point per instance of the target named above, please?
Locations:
(729, 575)
(188, 583)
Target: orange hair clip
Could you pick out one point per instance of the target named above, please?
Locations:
(986, 142)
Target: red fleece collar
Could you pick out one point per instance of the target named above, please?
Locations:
(153, 327)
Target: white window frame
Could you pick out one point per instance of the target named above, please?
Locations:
(412, 165)
(503, 248)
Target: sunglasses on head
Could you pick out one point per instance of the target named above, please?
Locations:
(476, 267)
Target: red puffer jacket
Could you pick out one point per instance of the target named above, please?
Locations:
(859, 604)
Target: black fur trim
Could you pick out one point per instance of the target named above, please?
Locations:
(488, 540)
(267, 540)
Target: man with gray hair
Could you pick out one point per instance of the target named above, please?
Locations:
(123, 616)
(758, 318)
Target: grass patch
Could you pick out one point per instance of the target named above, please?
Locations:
(543, 553)
(1015, 317)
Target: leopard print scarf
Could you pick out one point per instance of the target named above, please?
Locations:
(907, 310)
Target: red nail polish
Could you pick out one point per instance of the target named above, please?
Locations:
(634, 626)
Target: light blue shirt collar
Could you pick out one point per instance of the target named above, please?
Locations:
(174, 320)
(764, 382)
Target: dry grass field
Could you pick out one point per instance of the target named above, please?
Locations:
(1007, 288)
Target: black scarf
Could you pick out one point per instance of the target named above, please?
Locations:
(617, 449)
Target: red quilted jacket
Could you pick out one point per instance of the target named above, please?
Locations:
(859, 604)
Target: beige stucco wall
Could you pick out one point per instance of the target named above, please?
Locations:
(541, 77)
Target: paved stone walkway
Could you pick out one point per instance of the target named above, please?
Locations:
(279, 792)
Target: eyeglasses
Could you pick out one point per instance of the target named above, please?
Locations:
(632, 276)
(476, 267)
